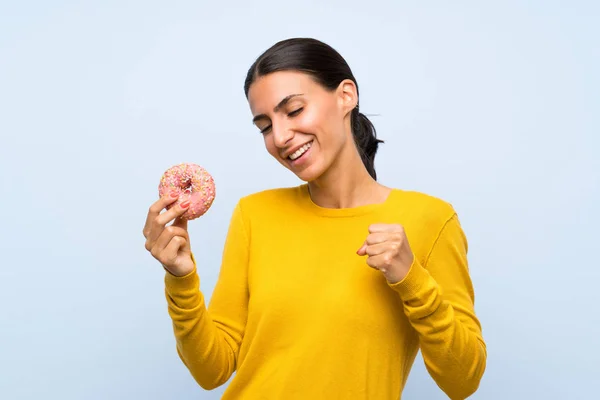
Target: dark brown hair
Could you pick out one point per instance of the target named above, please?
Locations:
(329, 69)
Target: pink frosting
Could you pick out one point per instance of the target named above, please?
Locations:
(191, 182)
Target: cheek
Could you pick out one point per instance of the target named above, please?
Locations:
(311, 121)
(270, 146)
(324, 119)
(329, 131)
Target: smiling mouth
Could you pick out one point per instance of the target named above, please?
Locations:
(298, 153)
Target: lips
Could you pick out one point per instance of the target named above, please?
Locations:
(300, 151)
(294, 150)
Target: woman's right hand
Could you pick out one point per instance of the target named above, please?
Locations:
(170, 245)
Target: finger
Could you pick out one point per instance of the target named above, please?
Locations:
(376, 228)
(380, 262)
(375, 238)
(171, 251)
(362, 250)
(167, 235)
(379, 238)
(156, 208)
(376, 249)
(158, 226)
(172, 213)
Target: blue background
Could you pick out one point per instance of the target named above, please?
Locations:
(492, 106)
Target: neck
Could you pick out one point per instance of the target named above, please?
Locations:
(347, 184)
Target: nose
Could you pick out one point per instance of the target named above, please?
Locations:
(282, 135)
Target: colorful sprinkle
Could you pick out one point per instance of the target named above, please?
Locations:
(192, 182)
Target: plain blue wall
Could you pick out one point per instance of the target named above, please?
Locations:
(493, 107)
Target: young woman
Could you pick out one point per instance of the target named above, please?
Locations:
(326, 290)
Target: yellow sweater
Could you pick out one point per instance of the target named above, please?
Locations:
(297, 314)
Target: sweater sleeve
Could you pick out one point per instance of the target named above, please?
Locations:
(208, 339)
(438, 298)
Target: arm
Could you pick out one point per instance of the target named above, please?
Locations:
(208, 340)
(438, 299)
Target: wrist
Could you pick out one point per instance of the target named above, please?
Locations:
(399, 273)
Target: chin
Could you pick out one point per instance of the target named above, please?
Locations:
(309, 174)
(305, 177)
(311, 171)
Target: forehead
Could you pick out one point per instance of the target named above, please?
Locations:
(268, 90)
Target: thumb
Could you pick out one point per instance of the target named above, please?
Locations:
(363, 249)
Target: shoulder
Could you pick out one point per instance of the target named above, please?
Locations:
(425, 205)
(268, 200)
(424, 212)
(266, 209)
(427, 218)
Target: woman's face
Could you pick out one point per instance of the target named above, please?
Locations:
(305, 126)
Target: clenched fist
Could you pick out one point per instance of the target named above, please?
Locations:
(388, 251)
(169, 244)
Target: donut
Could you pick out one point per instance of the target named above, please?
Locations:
(191, 182)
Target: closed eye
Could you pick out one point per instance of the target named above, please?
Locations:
(291, 114)
(295, 112)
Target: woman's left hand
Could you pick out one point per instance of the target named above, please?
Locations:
(388, 251)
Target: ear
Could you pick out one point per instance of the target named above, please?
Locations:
(347, 95)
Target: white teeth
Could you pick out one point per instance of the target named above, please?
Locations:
(300, 151)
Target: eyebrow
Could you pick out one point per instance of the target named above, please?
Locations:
(282, 103)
